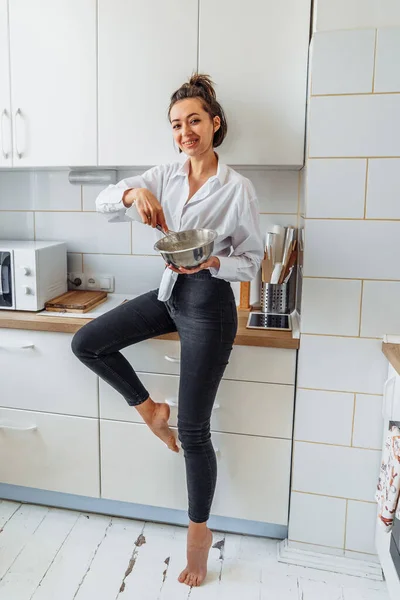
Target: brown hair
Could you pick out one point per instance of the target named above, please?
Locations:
(201, 86)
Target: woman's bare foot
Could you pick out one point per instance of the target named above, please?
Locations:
(156, 416)
(198, 546)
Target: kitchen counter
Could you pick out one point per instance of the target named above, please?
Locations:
(392, 353)
(244, 337)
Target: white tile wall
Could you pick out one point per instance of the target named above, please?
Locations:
(336, 471)
(341, 364)
(380, 308)
(144, 238)
(336, 188)
(352, 249)
(331, 306)
(277, 191)
(356, 126)
(317, 519)
(352, 14)
(332, 417)
(133, 274)
(360, 527)
(84, 232)
(89, 195)
(368, 422)
(387, 72)
(16, 225)
(74, 262)
(383, 197)
(16, 190)
(343, 62)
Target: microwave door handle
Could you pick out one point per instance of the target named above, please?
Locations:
(1, 278)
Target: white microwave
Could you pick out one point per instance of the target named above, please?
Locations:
(31, 273)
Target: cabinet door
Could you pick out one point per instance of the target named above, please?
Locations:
(256, 53)
(50, 452)
(146, 51)
(39, 372)
(53, 74)
(5, 110)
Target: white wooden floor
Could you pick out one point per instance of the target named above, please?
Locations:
(54, 554)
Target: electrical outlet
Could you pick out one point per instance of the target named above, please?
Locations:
(100, 281)
(76, 281)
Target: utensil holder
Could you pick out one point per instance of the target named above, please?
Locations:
(275, 298)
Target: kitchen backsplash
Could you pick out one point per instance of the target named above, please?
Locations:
(43, 205)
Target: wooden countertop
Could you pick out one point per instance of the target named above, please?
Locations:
(245, 337)
(392, 353)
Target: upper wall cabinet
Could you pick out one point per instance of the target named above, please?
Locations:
(256, 52)
(146, 51)
(53, 82)
(5, 122)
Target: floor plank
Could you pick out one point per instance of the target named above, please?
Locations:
(316, 590)
(7, 509)
(25, 574)
(70, 566)
(17, 532)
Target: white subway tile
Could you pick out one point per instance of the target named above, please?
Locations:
(331, 306)
(368, 422)
(341, 364)
(360, 527)
(343, 61)
(325, 417)
(383, 200)
(84, 232)
(133, 274)
(353, 14)
(74, 262)
(303, 189)
(380, 308)
(16, 225)
(277, 191)
(144, 238)
(336, 188)
(359, 126)
(352, 249)
(52, 191)
(317, 519)
(387, 72)
(89, 195)
(16, 190)
(336, 471)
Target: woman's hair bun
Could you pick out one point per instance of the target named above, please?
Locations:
(203, 82)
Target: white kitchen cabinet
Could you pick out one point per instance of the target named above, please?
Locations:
(53, 82)
(256, 53)
(5, 104)
(146, 51)
(246, 407)
(40, 372)
(253, 472)
(50, 452)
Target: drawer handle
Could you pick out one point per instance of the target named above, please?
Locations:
(22, 347)
(13, 428)
(172, 359)
(174, 403)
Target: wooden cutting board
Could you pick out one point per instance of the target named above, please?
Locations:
(79, 301)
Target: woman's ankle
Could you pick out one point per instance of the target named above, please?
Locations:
(146, 409)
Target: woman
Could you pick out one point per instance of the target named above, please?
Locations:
(198, 303)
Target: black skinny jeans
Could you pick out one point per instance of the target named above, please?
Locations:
(202, 309)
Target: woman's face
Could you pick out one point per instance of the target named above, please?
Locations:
(192, 127)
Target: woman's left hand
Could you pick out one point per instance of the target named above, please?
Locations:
(211, 263)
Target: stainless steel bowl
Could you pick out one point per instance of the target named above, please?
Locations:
(187, 249)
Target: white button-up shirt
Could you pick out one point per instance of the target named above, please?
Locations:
(226, 203)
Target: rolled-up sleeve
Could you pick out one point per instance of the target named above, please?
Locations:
(247, 251)
(109, 201)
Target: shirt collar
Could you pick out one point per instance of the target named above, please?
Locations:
(220, 175)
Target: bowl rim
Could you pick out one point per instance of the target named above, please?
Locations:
(213, 236)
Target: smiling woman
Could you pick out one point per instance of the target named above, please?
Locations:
(198, 303)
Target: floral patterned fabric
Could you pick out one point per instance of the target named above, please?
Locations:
(388, 489)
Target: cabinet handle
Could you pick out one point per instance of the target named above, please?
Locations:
(172, 359)
(4, 114)
(174, 403)
(22, 347)
(18, 113)
(14, 428)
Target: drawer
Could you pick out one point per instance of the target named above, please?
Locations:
(247, 363)
(44, 375)
(50, 452)
(253, 472)
(263, 409)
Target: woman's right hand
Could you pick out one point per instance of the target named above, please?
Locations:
(147, 206)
